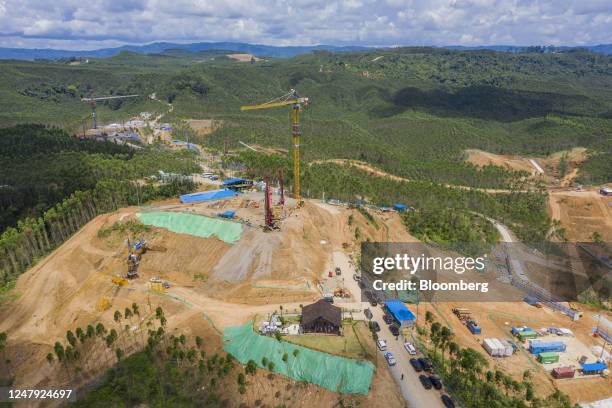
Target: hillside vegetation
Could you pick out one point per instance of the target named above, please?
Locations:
(409, 111)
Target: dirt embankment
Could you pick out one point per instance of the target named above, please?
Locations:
(481, 158)
(582, 214)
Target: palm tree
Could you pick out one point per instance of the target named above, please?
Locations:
(429, 317)
(117, 316)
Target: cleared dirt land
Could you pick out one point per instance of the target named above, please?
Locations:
(481, 158)
(582, 213)
(213, 285)
(496, 320)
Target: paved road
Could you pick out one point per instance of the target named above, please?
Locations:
(412, 390)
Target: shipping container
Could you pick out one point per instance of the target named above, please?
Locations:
(537, 346)
(593, 368)
(524, 333)
(548, 358)
(508, 349)
(563, 372)
(492, 347)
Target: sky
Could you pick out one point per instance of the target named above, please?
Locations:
(90, 24)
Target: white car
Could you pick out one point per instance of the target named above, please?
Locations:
(410, 348)
(382, 345)
(155, 279)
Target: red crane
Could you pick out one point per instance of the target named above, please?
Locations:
(281, 200)
(268, 204)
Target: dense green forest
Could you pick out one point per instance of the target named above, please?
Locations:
(409, 111)
(441, 214)
(53, 184)
(39, 167)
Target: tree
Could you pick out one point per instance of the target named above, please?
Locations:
(71, 339)
(50, 358)
(429, 317)
(251, 367)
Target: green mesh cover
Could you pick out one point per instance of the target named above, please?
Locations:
(197, 225)
(335, 373)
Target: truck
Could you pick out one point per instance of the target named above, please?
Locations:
(473, 327)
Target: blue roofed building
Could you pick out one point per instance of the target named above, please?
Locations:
(400, 312)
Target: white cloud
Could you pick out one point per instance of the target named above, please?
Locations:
(91, 24)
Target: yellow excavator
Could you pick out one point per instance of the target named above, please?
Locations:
(296, 101)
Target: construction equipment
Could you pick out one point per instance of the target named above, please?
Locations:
(462, 313)
(92, 102)
(281, 200)
(135, 253)
(293, 99)
(269, 217)
(342, 293)
(119, 280)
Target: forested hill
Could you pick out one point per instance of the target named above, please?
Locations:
(409, 111)
(40, 167)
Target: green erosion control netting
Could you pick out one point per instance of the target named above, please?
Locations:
(334, 373)
(191, 224)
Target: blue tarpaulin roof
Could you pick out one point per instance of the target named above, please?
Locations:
(399, 206)
(228, 214)
(593, 367)
(399, 310)
(233, 180)
(207, 196)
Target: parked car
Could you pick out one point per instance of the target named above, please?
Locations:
(388, 319)
(371, 298)
(390, 358)
(338, 271)
(382, 345)
(416, 364)
(425, 381)
(426, 364)
(368, 313)
(447, 401)
(410, 348)
(375, 326)
(394, 330)
(435, 380)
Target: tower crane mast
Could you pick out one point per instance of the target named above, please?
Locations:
(92, 103)
(296, 102)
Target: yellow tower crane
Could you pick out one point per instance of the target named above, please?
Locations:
(293, 99)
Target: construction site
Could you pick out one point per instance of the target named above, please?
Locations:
(240, 263)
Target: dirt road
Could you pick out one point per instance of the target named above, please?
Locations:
(413, 392)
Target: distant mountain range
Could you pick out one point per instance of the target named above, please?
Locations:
(159, 47)
(255, 49)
